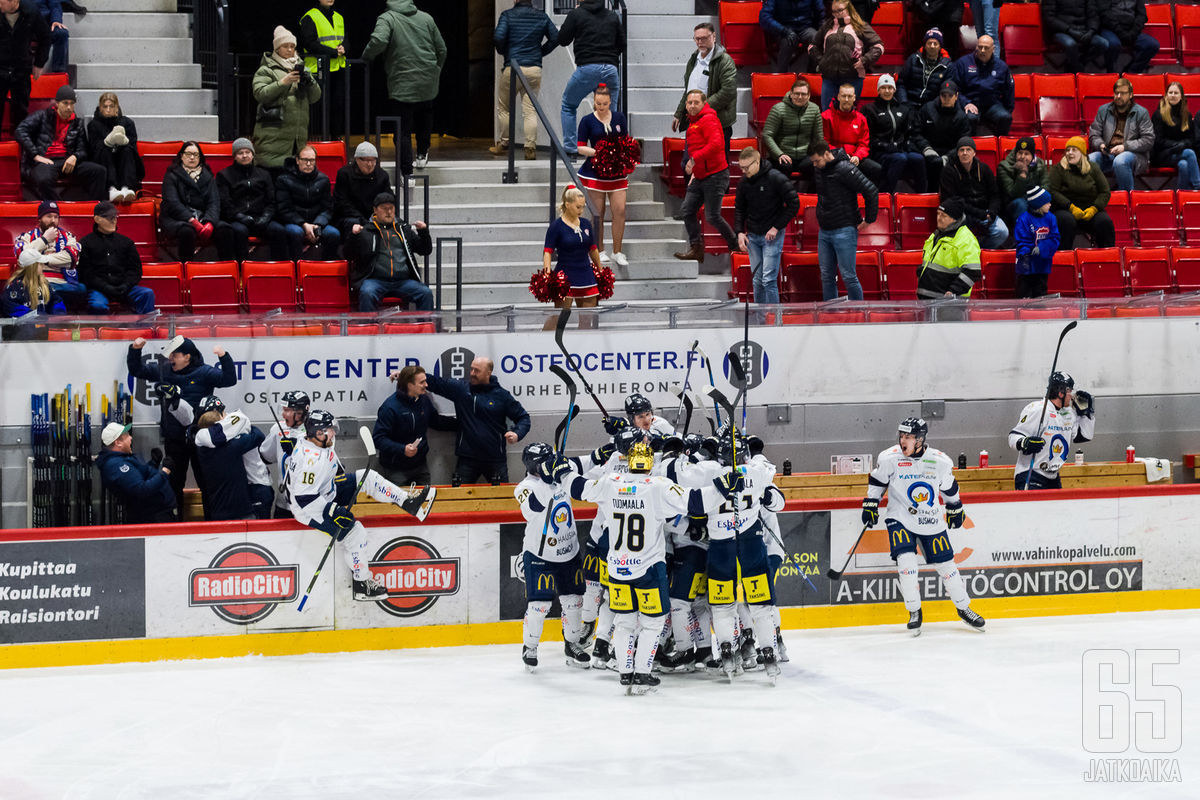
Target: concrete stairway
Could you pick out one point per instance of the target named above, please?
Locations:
(142, 50)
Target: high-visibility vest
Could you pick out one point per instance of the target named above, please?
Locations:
(328, 35)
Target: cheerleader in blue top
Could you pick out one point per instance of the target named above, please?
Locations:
(604, 123)
(571, 237)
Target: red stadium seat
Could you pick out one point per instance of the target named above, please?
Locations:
(1187, 204)
(15, 218)
(217, 155)
(1007, 143)
(889, 23)
(10, 170)
(736, 145)
(192, 331)
(239, 331)
(767, 89)
(900, 269)
(841, 315)
(713, 241)
(1064, 275)
(893, 315)
(870, 277)
(916, 218)
(1057, 104)
(1154, 310)
(156, 157)
(880, 234)
(324, 286)
(987, 314)
(742, 281)
(166, 279)
(213, 286)
(999, 275)
(1024, 114)
(331, 156)
(1149, 269)
(987, 150)
(269, 285)
(1187, 25)
(1189, 80)
(799, 318)
(71, 334)
(1154, 218)
(409, 327)
(126, 333)
(673, 174)
(1049, 312)
(1160, 25)
(1185, 263)
(1148, 89)
(801, 278)
(741, 34)
(802, 230)
(362, 328)
(1118, 209)
(1172, 310)
(1101, 273)
(296, 329)
(1021, 35)
(1055, 147)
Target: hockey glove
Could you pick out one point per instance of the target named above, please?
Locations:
(710, 446)
(672, 445)
(168, 394)
(341, 518)
(730, 484)
(697, 529)
(168, 463)
(287, 444)
(603, 453)
(870, 511)
(1030, 445)
(614, 425)
(656, 442)
(554, 470)
(1084, 404)
(955, 516)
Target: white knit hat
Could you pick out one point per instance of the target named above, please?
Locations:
(282, 36)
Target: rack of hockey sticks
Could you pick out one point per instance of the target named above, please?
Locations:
(60, 478)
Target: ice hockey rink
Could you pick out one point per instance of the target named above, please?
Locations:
(858, 712)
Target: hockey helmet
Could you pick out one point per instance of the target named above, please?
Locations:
(627, 438)
(641, 458)
(295, 400)
(693, 444)
(637, 404)
(210, 403)
(1059, 382)
(726, 450)
(915, 426)
(535, 454)
(318, 420)
(755, 444)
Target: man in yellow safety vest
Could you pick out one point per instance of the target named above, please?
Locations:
(323, 36)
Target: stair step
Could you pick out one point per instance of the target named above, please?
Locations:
(659, 50)
(656, 74)
(104, 23)
(521, 193)
(658, 270)
(140, 50)
(659, 99)
(530, 251)
(502, 232)
(490, 172)
(704, 287)
(115, 77)
(167, 128)
(137, 102)
(161, 6)
(647, 26)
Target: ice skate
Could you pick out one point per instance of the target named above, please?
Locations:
(771, 664)
(679, 661)
(781, 652)
(369, 590)
(971, 618)
(577, 656)
(747, 652)
(914, 622)
(529, 656)
(419, 502)
(644, 683)
(627, 682)
(729, 664)
(603, 656)
(589, 630)
(704, 660)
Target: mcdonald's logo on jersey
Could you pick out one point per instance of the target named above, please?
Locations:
(546, 583)
(921, 493)
(938, 544)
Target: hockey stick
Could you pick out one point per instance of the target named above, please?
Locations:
(745, 348)
(836, 574)
(560, 443)
(687, 407)
(364, 433)
(686, 377)
(563, 316)
(712, 383)
(1046, 395)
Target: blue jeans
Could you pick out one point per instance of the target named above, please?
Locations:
(764, 264)
(1123, 166)
(74, 295)
(987, 20)
(831, 84)
(890, 168)
(58, 53)
(996, 117)
(373, 291)
(139, 298)
(1016, 207)
(583, 82)
(1189, 172)
(836, 252)
(330, 238)
(991, 236)
(1145, 47)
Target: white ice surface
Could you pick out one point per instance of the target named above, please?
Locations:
(859, 712)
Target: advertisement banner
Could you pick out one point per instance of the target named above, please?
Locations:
(801, 579)
(58, 591)
(512, 571)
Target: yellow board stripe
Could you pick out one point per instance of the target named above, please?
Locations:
(67, 654)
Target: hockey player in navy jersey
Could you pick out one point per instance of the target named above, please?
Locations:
(1069, 417)
(922, 503)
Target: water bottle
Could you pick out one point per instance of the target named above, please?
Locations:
(983, 458)
(1130, 454)
(787, 466)
(1079, 458)
(962, 460)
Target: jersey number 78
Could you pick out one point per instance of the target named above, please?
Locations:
(635, 526)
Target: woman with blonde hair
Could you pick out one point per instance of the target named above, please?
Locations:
(1078, 194)
(570, 236)
(112, 143)
(604, 123)
(28, 291)
(845, 50)
(1174, 136)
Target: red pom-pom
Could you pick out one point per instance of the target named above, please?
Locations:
(616, 157)
(605, 280)
(549, 287)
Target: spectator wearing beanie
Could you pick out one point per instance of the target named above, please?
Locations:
(941, 125)
(284, 90)
(57, 253)
(1017, 173)
(971, 181)
(54, 148)
(945, 15)
(893, 155)
(1036, 235)
(950, 264)
(355, 189)
(384, 264)
(1079, 192)
(247, 197)
(191, 206)
(924, 72)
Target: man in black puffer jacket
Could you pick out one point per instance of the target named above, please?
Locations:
(54, 147)
(892, 153)
(523, 35)
(1074, 25)
(355, 189)
(766, 202)
(401, 426)
(247, 206)
(24, 48)
(939, 126)
(923, 72)
(304, 206)
(839, 183)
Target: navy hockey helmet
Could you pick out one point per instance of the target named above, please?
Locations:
(298, 401)
(627, 438)
(755, 444)
(1059, 382)
(915, 426)
(693, 444)
(318, 421)
(637, 404)
(535, 454)
(726, 451)
(210, 403)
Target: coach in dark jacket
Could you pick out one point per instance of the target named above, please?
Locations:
(401, 427)
(143, 489)
(355, 190)
(483, 408)
(1074, 25)
(839, 183)
(766, 202)
(110, 267)
(247, 198)
(24, 48)
(304, 206)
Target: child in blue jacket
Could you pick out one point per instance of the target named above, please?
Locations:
(1037, 238)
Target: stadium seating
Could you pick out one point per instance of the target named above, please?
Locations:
(1021, 35)
(801, 278)
(767, 89)
(900, 269)
(1101, 273)
(1057, 104)
(1118, 209)
(673, 175)
(741, 34)
(1160, 25)
(324, 286)
(916, 218)
(987, 150)
(1149, 269)
(166, 279)
(1185, 264)
(269, 285)
(999, 275)
(213, 286)
(1064, 277)
(1024, 113)
(890, 23)
(1154, 218)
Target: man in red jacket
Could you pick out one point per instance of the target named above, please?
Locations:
(708, 166)
(846, 127)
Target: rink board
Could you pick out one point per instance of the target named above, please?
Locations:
(100, 595)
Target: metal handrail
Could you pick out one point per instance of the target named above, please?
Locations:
(623, 10)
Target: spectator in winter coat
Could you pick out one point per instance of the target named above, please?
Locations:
(304, 207)
(483, 408)
(711, 70)
(284, 90)
(950, 263)
(355, 189)
(384, 262)
(765, 203)
(401, 426)
(845, 50)
(191, 206)
(1074, 25)
(1079, 192)
(941, 125)
(112, 143)
(945, 15)
(792, 25)
(924, 72)
(110, 267)
(523, 35)
(1121, 136)
(144, 489)
(845, 127)
(792, 129)
(184, 377)
(57, 254)
(708, 168)
(1175, 137)
(1036, 235)
(24, 48)
(972, 182)
(838, 185)
(1122, 24)
(1020, 171)
(893, 155)
(54, 148)
(247, 199)
(27, 290)
(599, 37)
(986, 87)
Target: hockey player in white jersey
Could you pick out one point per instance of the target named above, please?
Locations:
(321, 492)
(1070, 417)
(639, 413)
(638, 503)
(281, 440)
(773, 538)
(922, 502)
(551, 559)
